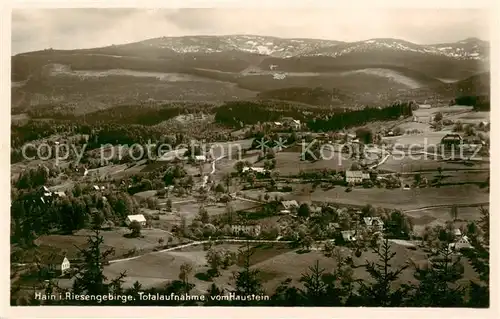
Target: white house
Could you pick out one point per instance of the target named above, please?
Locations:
(279, 76)
(288, 205)
(462, 243)
(253, 230)
(64, 266)
(348, 235)
(60, 194)
(356, 177)
(200, 158)
(424, 106)
(46, 191)
(260, 170)
(139, 218)
(58, 263)
(374, 222)
(295, 124)
(291, 122)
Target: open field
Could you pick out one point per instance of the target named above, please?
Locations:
(158, 268)
(292, 265)
(274, 263)
(112, 239)
(408, 126)
(427, 138)
(406, 164)
(471, 118)
(289, 163)
(399, 198)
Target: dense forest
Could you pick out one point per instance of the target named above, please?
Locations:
(479, 102)
(236, 114)
(339, 121)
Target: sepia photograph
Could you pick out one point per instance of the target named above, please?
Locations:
(250, 157)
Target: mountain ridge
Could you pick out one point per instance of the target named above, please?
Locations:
(469, 48)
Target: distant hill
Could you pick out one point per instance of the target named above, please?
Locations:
(237, 52)
(476, 85)
(239, 67)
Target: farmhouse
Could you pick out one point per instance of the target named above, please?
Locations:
(45, 192)
(259, 170)
(348, 235)
(356, 177)
(293, 123)
(452, 139)
(58, 264)
(374, 222)
(279, 76)
(289, 204)
(60, 194)
(462, 243)
(200, 158)
(139, 218)
(424, 106)
(253, 230)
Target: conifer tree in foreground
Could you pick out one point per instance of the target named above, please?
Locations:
(247, 280)
(380, 293)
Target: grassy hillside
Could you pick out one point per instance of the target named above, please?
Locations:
(430, 65)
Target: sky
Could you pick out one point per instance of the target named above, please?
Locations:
(36, 29)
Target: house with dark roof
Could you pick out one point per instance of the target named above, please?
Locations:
(375, 223)
(356, 177)
(57, 263)
(452, 139)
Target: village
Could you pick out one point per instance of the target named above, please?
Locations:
(349, 192)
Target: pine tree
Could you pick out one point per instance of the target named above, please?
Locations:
(247, 280)
(437, 282)
(315, 288)
(479, 257)
(379, 294)
(91, 279)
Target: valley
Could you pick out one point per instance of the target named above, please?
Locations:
(191, 164)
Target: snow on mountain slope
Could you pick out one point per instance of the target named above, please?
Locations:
(469, 48)
(271, 46)
(473, 49)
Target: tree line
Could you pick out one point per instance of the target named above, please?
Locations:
(478, 102)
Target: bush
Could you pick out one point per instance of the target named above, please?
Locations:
(438, 117)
